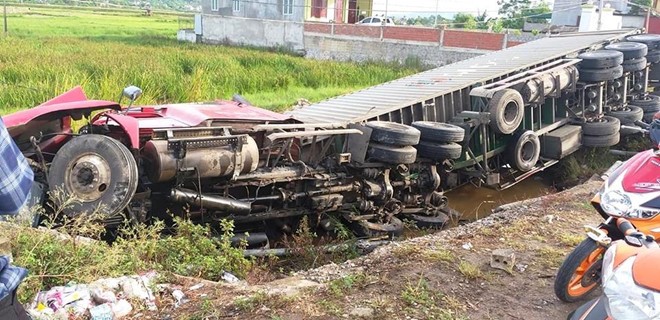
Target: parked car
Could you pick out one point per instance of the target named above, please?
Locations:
(376, 21)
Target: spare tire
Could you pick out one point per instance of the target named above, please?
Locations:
(598, 75)
(628, 115)
(634, 65)
(630, 50)
(95, 174)
(525, 152)
(439, 151)
(602, 127)
(600, 59)
(648, 103)
(439, 132)
(506, 111)
(393, 133)
(650, 40)
(392, 154)
(601, 141)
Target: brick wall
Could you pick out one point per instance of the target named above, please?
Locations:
(357, 31)
(510, 44)
(318, 27)
(473, 40)
(412, 34)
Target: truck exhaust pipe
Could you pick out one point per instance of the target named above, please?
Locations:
(212, 202)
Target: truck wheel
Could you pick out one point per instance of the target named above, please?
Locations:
(579, 274)
(367, 229)
(650, 40)
(653, 56)
(630, 50)
(601, 141)
(525, 153)
(95, 174)
(391, 154)
(439, 151)
(600, 59)
(393, 133)
(634, 65)
(598, 75)
(429, 222)
(439, 132)
(606, 125)
(649, 103)
(628, 115)
(506, 111)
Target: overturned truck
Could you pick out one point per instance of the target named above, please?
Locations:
(367, 160)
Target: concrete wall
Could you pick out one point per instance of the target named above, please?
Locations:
(566, 12)
(348, 48)
(252, 32)
(262, 9)
(628, 21)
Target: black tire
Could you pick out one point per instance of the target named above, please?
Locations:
(524, 153)
(507, 110)
(439, 151)
(393, 133)
(598, 75)
(649, 103)
(634, 65)
(648, 117)
(653, 56)
(628, 115)
(392, 154)
(364, 228)
(600, 59)
(601, 141)
(97, 171)
(630, 50)
(429, 222)
(565, 288)
(650, 40)
(604, 126)
(439, 132)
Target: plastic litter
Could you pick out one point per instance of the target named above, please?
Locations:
(121, 309)
(228, 277)
(101, 312)
(102, 296)
(179, 298)
(197, 286)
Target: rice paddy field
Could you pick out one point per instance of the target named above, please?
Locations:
(49, 50)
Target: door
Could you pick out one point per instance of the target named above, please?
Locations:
(339, 11)
(352, 11)
(319, 8)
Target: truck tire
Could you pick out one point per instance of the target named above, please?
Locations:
(439, 151)
(634, 65)
(650, 40)
(606, 125)
(439, 132)
(630, 50)
(601, 141)
(579, 274)
(649, 103)
(364, 228)
(429, 222)
(525, 153)
(392, 154)
(98, 172)
(600, 59)
(507, 110)
(393, 133)
(653, 56)
(598, 75)
(628, 115)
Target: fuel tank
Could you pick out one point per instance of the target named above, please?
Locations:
(161, 164)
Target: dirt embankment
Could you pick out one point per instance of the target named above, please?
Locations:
(446, 275)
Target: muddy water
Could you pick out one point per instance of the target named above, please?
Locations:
(475, 203)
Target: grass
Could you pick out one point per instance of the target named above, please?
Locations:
(49, 51)
(469, 270)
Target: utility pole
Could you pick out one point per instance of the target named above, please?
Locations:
(600, 14)
(4, 16)
(386, 3)
(437, 3)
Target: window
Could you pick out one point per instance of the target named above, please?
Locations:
(214, 5)
(287, 7)
(237, 5)
(375, 20)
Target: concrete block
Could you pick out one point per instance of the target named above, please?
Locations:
(503, 259)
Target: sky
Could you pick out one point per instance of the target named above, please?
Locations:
(447, 8)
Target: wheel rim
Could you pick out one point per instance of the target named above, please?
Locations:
(587, 274)
(510, 112)
(88, 177)
(527, 151)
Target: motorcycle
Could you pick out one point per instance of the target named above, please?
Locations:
(631, 289)
(632, 191)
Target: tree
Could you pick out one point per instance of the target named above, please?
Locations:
(635, 6)
(515, 12)
(465, 21)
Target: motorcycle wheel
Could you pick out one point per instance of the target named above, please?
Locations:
(579, 275)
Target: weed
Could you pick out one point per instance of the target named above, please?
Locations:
(469, 270)
(418, 294)
(343, 285)
(570, 239)
(439, 255)
(551, 257)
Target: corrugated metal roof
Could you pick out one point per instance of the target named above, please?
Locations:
(390, 96)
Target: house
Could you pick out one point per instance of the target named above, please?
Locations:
(569, 12)
(338, 11)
